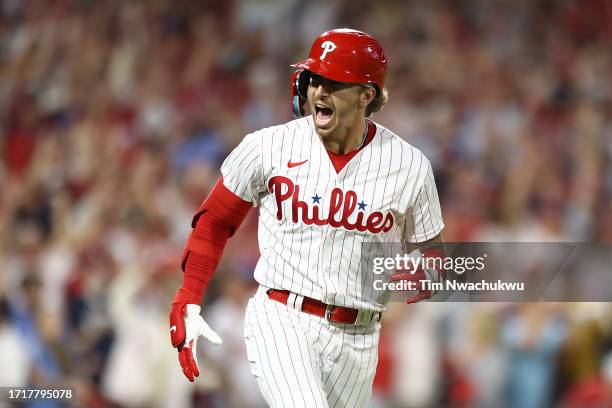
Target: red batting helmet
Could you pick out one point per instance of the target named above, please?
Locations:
(342, 55)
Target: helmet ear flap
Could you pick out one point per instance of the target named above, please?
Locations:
(300, 80)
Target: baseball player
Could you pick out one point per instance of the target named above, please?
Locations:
(323, 184)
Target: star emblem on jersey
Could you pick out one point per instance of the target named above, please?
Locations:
(362, 205)
(316, 199)
(291, 164)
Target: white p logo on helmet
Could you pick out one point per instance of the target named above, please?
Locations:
(327, 46)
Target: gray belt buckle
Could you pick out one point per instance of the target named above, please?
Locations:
(365, 317)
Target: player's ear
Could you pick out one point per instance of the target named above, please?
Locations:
(366, 96)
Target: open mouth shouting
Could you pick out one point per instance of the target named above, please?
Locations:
(323, 114)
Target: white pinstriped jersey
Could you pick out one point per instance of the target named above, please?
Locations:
(312, 220)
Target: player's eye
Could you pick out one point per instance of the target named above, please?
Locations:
(318, 80)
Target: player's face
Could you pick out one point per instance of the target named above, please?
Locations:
(336, 106)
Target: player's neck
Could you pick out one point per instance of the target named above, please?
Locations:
(346, 141)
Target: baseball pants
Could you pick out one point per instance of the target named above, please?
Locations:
(302, 360)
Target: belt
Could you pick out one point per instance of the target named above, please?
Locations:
(334, 314)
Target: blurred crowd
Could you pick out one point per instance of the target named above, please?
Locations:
(114, 119)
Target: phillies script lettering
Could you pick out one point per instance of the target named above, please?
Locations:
(342, 206)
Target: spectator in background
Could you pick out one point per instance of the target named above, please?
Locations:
(593, 392)
(40, 332)
(12, 352)
(533, 337)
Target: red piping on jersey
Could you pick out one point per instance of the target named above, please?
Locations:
(215, 221)
(340, 160)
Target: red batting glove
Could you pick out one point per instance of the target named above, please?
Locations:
(186, 326)
(418, 275)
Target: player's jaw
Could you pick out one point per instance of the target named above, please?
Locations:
(334, 115)
(332, 121)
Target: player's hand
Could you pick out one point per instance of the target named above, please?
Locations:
(186, 326)
(419, 276)
(416, 277)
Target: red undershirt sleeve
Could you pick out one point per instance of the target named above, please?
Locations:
(214, 223)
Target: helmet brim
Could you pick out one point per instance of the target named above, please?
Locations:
(330, 71)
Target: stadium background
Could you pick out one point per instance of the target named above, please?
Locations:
(115, 116)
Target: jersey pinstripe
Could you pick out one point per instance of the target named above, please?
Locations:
(313, 220)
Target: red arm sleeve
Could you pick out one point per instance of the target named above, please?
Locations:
(215, 221)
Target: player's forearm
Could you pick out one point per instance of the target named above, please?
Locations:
(434, 248)
(199, 267)
(436, 241)
(215, 222)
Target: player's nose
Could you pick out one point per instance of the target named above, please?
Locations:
(320, 91)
